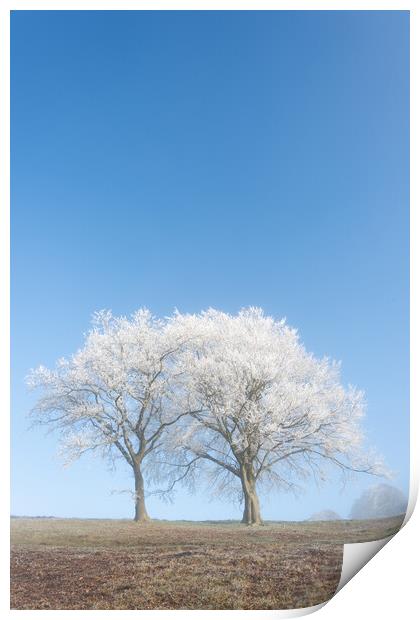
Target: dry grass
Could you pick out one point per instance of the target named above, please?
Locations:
(99, 564)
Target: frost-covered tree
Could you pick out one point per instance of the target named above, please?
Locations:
(267, 411)
(238, 394)
(118, 395)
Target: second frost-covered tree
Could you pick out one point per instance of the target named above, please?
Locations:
(266, 411)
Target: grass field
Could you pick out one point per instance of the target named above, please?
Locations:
(104, 564)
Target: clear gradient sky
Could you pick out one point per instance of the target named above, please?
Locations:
(196, 159)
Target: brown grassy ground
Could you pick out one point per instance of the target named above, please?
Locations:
(99, 564)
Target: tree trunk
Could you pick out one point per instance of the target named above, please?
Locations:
(252, 514)
(140, 513)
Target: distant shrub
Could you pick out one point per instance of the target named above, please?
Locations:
(325, 515)
(379, 501)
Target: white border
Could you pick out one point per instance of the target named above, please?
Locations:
(383, 586)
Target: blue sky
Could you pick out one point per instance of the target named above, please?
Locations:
(196, 159)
